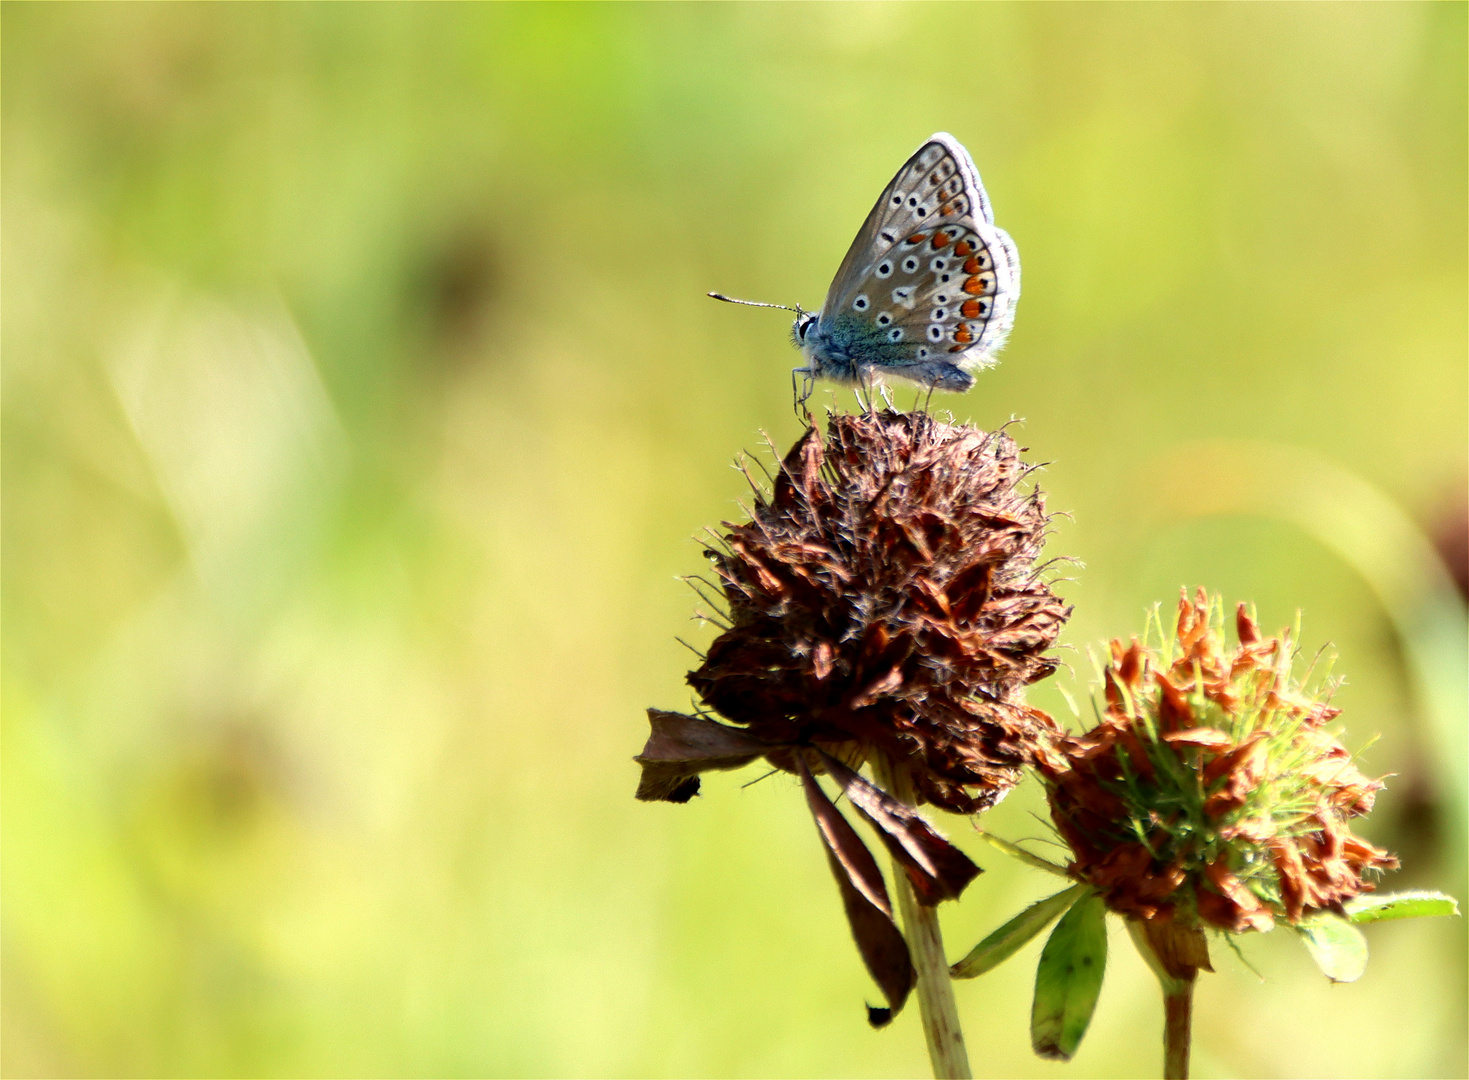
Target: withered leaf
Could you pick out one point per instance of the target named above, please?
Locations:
(865, 898)
(680, 747)
(937, 869)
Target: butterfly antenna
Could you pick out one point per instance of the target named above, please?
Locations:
(756, 303)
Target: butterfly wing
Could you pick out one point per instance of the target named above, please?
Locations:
(930, 271)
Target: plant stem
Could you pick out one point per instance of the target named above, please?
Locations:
(926, 945)
(1178, 1007)
(1176, 954)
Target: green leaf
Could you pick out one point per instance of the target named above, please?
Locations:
(1068, 979)
(1377, 907)
(1338, 947)
(1004, 942)
(1016, 852)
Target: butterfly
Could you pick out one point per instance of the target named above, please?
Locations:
(927, 291)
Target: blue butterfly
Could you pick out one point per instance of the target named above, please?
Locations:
(927, 291)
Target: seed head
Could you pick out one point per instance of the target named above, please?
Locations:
(1210, 791)
(883, 604)
(885, 595)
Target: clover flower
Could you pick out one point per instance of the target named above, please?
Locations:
(883, 606)
(1210, 795)
(1211, 791)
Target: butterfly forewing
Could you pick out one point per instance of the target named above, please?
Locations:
(928, 266)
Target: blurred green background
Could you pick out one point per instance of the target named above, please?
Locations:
(361, 398)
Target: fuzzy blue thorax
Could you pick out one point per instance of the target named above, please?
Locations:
(854, 351)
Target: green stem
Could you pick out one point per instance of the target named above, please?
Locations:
(926, 945)
(1178, 1007)
(1175, 954)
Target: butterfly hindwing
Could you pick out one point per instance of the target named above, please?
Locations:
(936, 280)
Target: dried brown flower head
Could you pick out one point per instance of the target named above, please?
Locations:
(1211, 791)
(886, 595)
(883, 604)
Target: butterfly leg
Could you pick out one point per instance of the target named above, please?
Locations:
(803, 395)
(927, 397)
(882, 388)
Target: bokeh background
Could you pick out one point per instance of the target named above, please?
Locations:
(361, 399)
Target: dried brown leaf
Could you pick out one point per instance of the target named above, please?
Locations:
(680, 747)
(865, 898)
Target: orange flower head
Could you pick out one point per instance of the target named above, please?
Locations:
(1211, 790)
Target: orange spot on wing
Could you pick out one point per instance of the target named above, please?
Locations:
(918, 238)
(970, 309)
(963, 336)
(947, 209)
(972, 266)
(956, 348)
(973, 286)
(962, 248)
(941, 239)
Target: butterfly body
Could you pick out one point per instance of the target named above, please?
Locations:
(927, 290)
